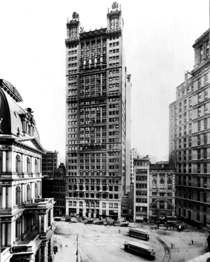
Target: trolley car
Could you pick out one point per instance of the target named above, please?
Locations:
(140, 249)
(138, 233)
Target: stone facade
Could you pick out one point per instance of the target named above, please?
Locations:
(25, 217)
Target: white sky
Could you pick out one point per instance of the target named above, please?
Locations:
(158, 37)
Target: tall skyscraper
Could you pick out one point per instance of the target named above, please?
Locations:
(190, 138)
(96, 82)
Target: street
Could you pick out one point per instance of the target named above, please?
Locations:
(99, 243)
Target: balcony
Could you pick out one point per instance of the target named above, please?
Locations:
(42, 204)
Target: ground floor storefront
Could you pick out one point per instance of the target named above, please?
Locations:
(93, 208)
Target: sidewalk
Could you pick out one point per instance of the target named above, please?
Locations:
(66, 249)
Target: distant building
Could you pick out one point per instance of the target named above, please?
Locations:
(162, 191)
(133, 154)
(152, 159)
(59, 190)
(189, 139)
(50, 163)
(141, 190)
(26, 218)
(54, 187)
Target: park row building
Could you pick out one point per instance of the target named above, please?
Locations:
(190, 138)
(96, 86)
(25, 217)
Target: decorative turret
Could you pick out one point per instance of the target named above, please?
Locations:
(114, 18)
(73, 27)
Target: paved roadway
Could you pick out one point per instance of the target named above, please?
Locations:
(97, 243)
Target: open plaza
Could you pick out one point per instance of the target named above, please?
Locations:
(80, 242)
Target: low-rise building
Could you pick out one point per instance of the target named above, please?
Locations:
(54, 187)
(162, 191)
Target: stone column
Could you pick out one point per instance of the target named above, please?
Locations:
(4, 162)
(13, 230)
(119, 210)
(45, 223)
(40, 223)
(3, 197)
(3, 235)
(100, 208)
(89, 213)
(94, 214)
(9, 234)
(67, 205)
(51, 215)
(10, 197)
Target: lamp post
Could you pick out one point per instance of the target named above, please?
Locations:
(77, 249)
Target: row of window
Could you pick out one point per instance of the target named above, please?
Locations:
(84, 204)
(95, 195)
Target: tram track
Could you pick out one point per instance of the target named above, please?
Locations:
(90, 256)
(167, 255)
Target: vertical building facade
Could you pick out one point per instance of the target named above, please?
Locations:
(162, 191)
(141, 190)
(54, 187)
(50, 162)
(96, 117)
(190, 138)
(25, 217)
(133, 154)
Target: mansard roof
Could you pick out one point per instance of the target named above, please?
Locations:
(11, 118)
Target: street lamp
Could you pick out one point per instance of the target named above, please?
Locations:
(77, 249)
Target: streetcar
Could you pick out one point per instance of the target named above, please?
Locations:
(140, 249)
(138, 233)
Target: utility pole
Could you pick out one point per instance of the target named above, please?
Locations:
(77, 253)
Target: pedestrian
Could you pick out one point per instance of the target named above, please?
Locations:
(192, 242)
(119, 231)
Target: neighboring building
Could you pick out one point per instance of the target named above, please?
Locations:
(152, 159)
(128, 134)
(54, 187)
(59, 190)
(141, 190)
(26, 218)
(190, 138)
(97, 84)
(50, 163)
(133, 154)
(162, 191)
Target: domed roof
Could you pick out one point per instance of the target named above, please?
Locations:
(13, 118)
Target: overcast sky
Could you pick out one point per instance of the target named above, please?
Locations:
(158, 39)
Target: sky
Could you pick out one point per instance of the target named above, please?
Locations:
(158, 38)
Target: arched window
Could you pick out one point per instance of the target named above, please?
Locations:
(18, 164)
(36, 166)
(28, 192)
(161, 180)
(154, 181)
(28, 165)
(169, 181)
(18, 195)
(1, 162)
(36, 190)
